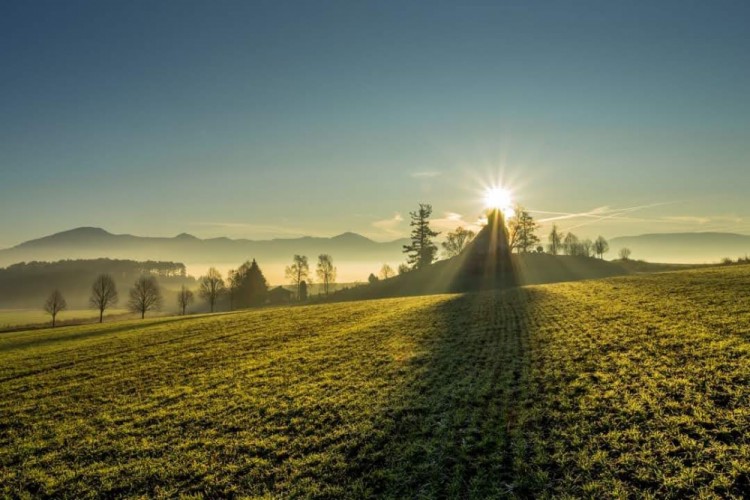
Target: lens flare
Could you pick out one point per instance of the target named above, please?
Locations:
(498, 198)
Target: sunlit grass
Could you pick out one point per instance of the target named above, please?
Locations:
(10, 318)
(623, 387)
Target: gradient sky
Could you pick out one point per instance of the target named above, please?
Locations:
(268, 119)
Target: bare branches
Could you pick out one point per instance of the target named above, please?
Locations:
(145, 296)
(54, 304)
(103, 294)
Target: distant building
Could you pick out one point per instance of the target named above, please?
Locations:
(279, 295)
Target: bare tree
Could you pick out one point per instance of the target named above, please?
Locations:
(522, 231)
(403, 268)
(54, 304)
(103, 294)
(601, 247)
(234, 279)
(298, 272)
(625, 253)
(571, 245)
(211, 287)
(184, 298)
(456, 241)
(145, 296)
(555, 241)
(326, 272)
(386, 272)
(587, 248)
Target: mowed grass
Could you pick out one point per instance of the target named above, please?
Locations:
(10, 318)
(636, 386)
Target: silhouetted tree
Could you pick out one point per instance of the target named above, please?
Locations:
(403, 269)
(456, 241)
(145, 296)
(298, 272)
(184, 298)
(522, 231)
(54, 304)
(386, 272)
(587, 248)
(252, 286)
(211, 287)
(302, 291)
(103, 294)
(601, 247)
(372, 279)
(422, 250)
(555, 239)
(326, 272)
(571, 244)
(232, 286)
(540, 249)
(625, 253)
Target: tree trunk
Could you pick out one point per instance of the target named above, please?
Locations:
(143, 313)
(101, 315)
(53, 321)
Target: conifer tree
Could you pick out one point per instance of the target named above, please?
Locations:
(422, 250)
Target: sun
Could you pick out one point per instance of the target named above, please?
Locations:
(498, 198)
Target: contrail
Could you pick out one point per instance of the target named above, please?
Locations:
(598, 214)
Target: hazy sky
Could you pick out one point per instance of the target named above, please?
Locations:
(265, 119)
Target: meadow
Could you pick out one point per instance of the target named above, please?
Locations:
(629, 386)
(13, 318)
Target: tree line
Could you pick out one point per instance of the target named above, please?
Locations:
(522, 238)
(243, 287)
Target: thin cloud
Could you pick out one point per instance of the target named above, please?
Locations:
(248, 229)
(688, 219)
(598, 214)
(451, 220)
(390, 226)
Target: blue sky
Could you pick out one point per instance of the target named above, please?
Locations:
(268, 119)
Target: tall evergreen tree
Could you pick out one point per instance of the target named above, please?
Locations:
(422, 250)
(251, 285)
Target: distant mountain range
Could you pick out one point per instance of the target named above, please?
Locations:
(92, 242)
(355, 254)
(683, 247)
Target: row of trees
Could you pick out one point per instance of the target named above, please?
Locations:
(298, 274)
(570, 244)
(244, 287)
(144, 296)
(522, 238)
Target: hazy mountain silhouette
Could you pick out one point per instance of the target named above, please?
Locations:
(683, 247)
(92, 242)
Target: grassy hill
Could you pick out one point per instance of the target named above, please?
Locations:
(448, 276)
(617, 387)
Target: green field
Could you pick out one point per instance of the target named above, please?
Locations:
(634, 386)
(11, 318)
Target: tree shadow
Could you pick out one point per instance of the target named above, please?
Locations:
(451, 430)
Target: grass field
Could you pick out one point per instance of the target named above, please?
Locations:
(635, 386)
(11, 318)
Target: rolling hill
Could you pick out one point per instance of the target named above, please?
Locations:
(626, 387)
(684, 247)
(92, 243)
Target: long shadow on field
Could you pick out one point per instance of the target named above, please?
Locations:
(451, 425)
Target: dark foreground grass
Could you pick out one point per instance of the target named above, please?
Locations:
(626, 387)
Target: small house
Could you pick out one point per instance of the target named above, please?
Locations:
(279, 295)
